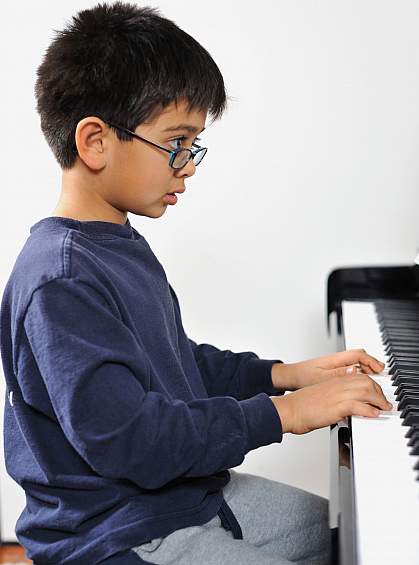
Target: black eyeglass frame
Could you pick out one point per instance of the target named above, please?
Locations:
(172, 152)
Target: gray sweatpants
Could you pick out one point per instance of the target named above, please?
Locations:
(280, 524)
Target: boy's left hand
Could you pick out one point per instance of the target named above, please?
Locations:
(292, 376)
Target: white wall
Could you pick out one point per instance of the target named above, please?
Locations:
(313, 166)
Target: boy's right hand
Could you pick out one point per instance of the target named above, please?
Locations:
(326, 403)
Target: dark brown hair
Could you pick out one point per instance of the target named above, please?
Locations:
(123, 63)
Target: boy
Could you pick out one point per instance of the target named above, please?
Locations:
(120, 428)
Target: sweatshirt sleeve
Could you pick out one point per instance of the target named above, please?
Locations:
(226, 373)
(98, 379)
(241, 375)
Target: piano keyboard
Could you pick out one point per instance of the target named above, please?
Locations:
(386, 485)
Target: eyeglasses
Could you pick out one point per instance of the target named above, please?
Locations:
(178, 157)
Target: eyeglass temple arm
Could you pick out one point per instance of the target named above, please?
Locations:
(171, 151)
(139, 137)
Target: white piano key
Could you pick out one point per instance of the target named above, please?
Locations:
(386, 490)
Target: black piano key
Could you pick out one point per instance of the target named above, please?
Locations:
(400, 337)
(394, 359)
(413, 439)
(393, 326)
(411, 419)
(409, 410)
(401, 388)
(401, 349)
(404, 373)
(404, 367)
(405, 339)
(411, 316)
(406, 391)
(392, 352)
(414, 389)
(398, 334)
(404, 318)
(405, 379)
(398, 322)
(414, 428)
(415, 451)
(408, 400)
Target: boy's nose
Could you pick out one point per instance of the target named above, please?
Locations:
(187, 171)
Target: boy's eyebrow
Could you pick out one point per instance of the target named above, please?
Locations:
(187, 127)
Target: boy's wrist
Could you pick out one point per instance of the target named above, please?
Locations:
(282, 377)
(283, 408)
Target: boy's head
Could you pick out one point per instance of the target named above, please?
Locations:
(126, 65)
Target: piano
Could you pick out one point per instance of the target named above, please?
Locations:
(374, 462)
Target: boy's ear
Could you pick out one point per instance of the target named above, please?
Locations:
(92, 138)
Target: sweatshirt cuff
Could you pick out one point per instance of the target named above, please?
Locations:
(263, 422)
(256, 377)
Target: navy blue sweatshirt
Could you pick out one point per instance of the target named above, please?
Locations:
(118, 426)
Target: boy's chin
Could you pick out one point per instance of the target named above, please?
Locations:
(152, 212)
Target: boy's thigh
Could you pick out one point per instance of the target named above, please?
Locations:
(126, 557)
(279, 518)
(280, 524)
(209, 543)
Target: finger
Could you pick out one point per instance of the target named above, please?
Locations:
(381, 403)
(352, 357)
(365, 368)
(350, 370)
(342, 371)
(357, 408)
(377, 398)
(365, 389)
(367, 360)
(339, 359)
(363, 358)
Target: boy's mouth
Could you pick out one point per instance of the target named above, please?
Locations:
(170, 198)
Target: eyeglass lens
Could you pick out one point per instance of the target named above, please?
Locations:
(182, 157)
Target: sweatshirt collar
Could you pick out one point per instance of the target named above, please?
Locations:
(89, 227)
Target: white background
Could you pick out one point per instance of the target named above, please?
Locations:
(313, 166)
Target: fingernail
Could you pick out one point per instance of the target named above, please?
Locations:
(350, 370)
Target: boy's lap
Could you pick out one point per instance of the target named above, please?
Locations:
(276, 514)
(280, 523)
(211, 545)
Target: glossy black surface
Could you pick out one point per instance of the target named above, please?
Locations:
(366, 283)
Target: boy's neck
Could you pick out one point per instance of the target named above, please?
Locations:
(85, 204)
